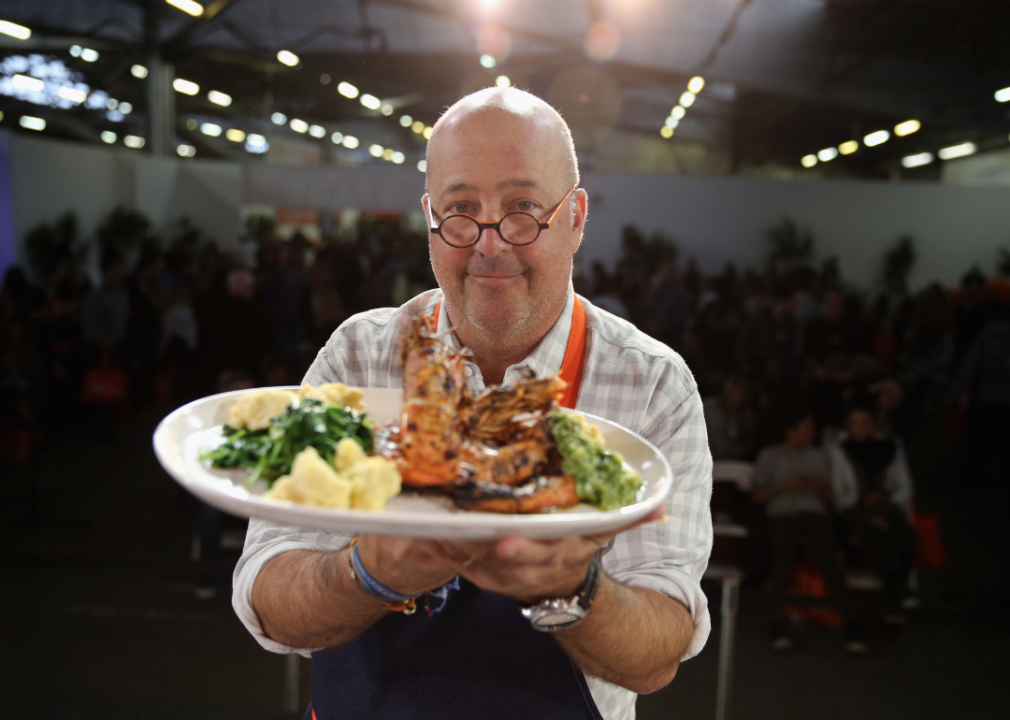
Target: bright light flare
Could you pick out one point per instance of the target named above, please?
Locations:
(687, 99)
(1003, 95)
(108, 137)
(375, 150)
(406, 120)
(211, 129)
(847, 148)
(139, 72)
(278, 118)
(427, 132)
(919, 160)
(89, 55)
(286, 57)
(32, 123)
(350, 142)
(876, 138)
(808, 161)
(185, 150)
(488, 61)
(956, 151)
(666, 131)
(133, 141)
(386, 109)
(299, 126)
(398, 158)
(235, 135)
(907, 128)
(422, 165)
(219, 98)
(14, 30)
(696, 84)
(337, 138)
(317, 131)
(387, 154)
(503, 81)
(187, 6)
(185, 87)
(672, 122)
(370, 101)
(678, 112)
(25, 82)
(347, 90)
(827, 154)
(72, 94)
(417, 127)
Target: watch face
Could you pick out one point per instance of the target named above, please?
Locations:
(556, 618)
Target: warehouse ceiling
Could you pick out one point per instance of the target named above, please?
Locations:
(784, 80)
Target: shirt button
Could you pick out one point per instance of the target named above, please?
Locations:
(468, 371)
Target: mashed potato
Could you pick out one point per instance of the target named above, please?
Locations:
(312, 482)
(254, 410)
(355, 480)
(334, 394)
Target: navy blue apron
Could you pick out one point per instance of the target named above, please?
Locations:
(476, 657)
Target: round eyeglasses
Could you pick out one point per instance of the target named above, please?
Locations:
(518, 228)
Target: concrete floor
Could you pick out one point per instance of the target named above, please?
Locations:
(101, 620)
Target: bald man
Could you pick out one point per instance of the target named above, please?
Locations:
(505, 290)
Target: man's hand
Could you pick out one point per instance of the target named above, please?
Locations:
(529, 570)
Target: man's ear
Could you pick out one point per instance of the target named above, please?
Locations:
(579, 212)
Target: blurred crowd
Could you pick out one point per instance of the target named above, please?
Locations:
(816, 384)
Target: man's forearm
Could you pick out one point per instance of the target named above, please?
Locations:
(307, 599)
(631, 637)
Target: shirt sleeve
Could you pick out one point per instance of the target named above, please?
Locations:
(670, 558)
(263, 542)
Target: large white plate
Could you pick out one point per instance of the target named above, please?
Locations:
(180, 437)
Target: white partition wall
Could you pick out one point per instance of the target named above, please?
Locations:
(712, 219)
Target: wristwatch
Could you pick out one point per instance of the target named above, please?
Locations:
(563, 613)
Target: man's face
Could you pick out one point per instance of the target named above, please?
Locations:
(803, 434)
(487, 165)
(862, 425)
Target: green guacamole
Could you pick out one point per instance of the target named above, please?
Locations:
(600, 478)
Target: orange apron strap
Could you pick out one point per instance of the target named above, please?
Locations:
(575, 354)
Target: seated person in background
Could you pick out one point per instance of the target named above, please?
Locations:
(730, 422)
(792, 481)
(873, 489)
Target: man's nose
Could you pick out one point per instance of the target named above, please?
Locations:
(491, 243)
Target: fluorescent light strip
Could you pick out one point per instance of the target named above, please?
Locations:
(919, 160)
(14, 30)
(187, 6)
(956, 151)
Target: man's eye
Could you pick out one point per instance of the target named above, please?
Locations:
(458, 209)
(525, 206)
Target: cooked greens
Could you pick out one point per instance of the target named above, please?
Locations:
(270, 453)
(600, 476)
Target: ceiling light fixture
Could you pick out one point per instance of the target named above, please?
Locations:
(912, 161)
(133, 141)
(417, 127)
(337, 138)
(488, 61)
(503, 81)
(235, 135)
(32, 123)
(687, 99)
(808, 161)
(1003, 95)
(956, 151)
(696, 84)
(317, 131)
(185, 150)
(876, 138)
(386, 109)
(14, 30)
(288, 58)
(24, 82)
(370, 101)
(399, 157)
(347, 90)
(185, 86)
(299, 126)
(678, 112)
(847, 148)
(125, 108)
(387, 154)
(108, 137)
(212, 129)
(375, 150)
(422, 165)
(907, 128)
(187, 6)
(138, 71)
(350, 142)
(672, 122)
(219, 98)
(72, 94)
(666, 131)
(406, 120)
(827, 154)
(427, 132)
(278, 118)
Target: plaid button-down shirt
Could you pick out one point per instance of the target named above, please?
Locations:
(628, 378)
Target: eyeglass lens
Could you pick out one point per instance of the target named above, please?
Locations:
(515, 228)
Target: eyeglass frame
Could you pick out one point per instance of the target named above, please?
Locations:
(481, 227)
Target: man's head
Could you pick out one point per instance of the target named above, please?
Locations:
(495, 152)
(801, 429)
(862, 424)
